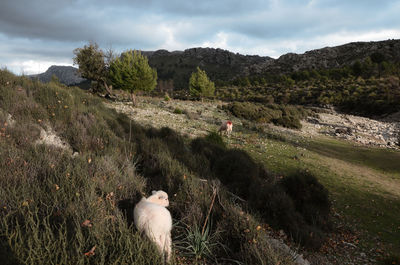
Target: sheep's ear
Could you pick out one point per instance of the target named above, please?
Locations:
(153, 192)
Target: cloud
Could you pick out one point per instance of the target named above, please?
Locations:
(48, 31)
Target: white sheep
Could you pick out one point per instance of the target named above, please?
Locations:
(226, 126)
(152, 218)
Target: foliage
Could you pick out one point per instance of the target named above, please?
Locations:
(132, 72)
(236, 169)
(198, 244)
(369, 87)
(200, 85)
(284, 115)
(92, 66)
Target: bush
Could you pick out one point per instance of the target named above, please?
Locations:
(236, 169)
(310, 197)
(283, 115)
(178, 111)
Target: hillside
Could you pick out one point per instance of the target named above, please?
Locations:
(219, 64)
(72, 169)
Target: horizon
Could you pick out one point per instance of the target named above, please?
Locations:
(31, 42)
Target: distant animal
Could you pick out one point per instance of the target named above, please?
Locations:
(226, 126)
(152, 218)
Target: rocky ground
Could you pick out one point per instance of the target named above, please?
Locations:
(207, 116)
(365, 131)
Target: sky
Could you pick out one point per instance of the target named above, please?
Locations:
(35, 34)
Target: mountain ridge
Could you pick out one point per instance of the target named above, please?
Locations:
(224, 65)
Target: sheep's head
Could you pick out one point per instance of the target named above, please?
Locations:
(159, 197)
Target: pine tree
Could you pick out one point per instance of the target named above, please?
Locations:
(200, 85)
(131, 72)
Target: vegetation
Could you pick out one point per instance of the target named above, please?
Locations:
(200, 85)
(284, 115)
(131, 72)
(92, 66)
(66, 208)
(368, 88)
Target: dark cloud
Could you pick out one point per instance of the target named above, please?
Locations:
(50, 30)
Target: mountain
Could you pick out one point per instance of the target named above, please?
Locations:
(67, 75)
(332, 57)
(224, 65)
(218, 63)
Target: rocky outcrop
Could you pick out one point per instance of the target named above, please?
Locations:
(362, 130)
(67, 75)
(331, 57)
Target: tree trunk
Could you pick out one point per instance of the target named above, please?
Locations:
(108, 89)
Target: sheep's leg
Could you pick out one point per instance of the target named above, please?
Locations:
(168, 243)
(160, 242)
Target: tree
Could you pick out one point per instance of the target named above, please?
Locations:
(200, 85)
(92, 66)
(131, 72)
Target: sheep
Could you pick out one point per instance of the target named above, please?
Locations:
(152, 218)
(226, 126)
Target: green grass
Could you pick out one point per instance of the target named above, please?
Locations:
(376, 158)
(363, 182)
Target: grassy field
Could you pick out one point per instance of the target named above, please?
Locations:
(363, 182)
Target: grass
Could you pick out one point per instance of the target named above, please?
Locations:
(383, 160)
(46, 194)
(61, 208)
(363, 181)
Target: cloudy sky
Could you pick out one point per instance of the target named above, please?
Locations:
(35, 34)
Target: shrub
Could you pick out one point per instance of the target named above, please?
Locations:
(178, 111)
(214, 137)
(310, 197)
(236, 169)
(283, 115)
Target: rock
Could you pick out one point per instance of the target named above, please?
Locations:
(313, 120)
(10, 121)
(342, 130)
(280, 246)
(67, 75)
(49, 137)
